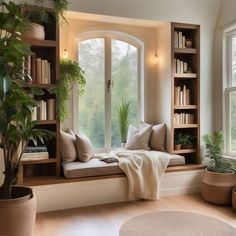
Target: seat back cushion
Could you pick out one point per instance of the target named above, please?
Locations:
(158, 136)
(67, 147)
(84, 147)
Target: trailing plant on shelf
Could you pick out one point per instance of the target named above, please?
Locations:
(214, 152)
(16, 102)
(70, 74)
(123, 114)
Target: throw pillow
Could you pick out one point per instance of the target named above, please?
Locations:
(84, 147)
(138, 138)
(67, 147)
(158, 136)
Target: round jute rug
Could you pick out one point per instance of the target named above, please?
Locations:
(173, 223)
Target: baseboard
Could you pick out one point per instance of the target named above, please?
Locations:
(95, 192)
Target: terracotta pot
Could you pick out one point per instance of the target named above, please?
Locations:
(34, 31)
(177, 146)
(17, 215)
(234, 198)
(217, 187)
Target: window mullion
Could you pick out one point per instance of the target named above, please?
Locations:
(107, 92)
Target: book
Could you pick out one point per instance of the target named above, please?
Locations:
(33, 69)
(43, 110)
(38, 149)
(35, 156)
(180, 39)
(34, 113)
(38, 70)
(51, 109)
(176, 39)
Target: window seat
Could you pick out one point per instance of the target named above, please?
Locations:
(95, 167)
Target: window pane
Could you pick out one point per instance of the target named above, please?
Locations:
(125, 84)
(233, 121)
(234, 61)
(91, 104)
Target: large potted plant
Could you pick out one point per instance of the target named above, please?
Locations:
(17, 204)
(123, 114)
(219, 177)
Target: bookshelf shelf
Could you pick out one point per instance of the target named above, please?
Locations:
(47, 122)
(185, 75)
(50, 160)
(187, 107)
(185, 126)
(182, 151)
(43, 86)
(41, 43)
(185, 50)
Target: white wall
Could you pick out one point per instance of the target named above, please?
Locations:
(226, 18)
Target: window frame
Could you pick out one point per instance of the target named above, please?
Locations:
(108, 36)
(228, 88)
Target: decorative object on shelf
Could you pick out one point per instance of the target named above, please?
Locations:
(65, 54)
(234, 198)
(34, 31)
(16, 126)
(123, 115)
(183, 140)
(219, 178)
(70, 74)
(189, 43)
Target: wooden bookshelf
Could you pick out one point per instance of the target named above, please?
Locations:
(46, 50)
(182, 80)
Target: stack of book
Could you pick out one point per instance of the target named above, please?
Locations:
(183, 118)
(39, 69)
(45, 111)
(181, 96)
(32, 153)
(180, 66)
(179, 39)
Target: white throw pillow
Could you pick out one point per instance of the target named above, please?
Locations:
(138, 138)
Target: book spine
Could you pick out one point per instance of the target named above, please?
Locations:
(180, 39)
(33, 69)
(39, 70)
(51, 109)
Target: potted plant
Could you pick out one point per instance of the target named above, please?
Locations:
(70, 74)
(219, 177)
(123, 113)
(39, 16)
(183, 140)
(16, 126)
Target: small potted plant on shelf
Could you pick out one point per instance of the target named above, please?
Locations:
(219, 177)
(123, 114)
(183, 140)
(16, 126)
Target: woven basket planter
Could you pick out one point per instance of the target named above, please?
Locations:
(17, 215)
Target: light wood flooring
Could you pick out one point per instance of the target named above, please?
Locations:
(105, 220)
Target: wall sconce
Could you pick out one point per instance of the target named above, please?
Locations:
(65, 54)
(156, 59)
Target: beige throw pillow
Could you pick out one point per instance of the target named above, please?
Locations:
(67, 147)
(84, 147)
(158, 136)
(138, 138)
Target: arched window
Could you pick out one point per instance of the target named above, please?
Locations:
(113, 69)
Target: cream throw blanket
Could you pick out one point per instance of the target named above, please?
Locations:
(144, 171)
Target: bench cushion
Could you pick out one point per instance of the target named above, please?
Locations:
(95, 167)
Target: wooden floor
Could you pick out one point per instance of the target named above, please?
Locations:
(106, 220)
